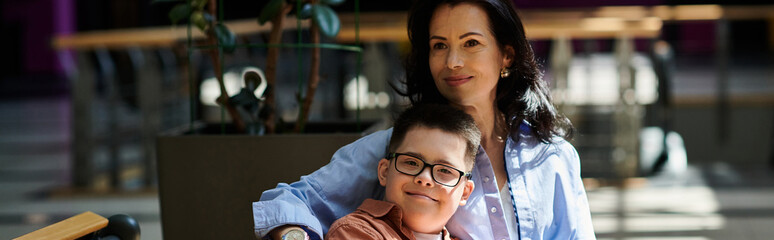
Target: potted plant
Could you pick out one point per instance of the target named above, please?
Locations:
(208, 182)
(323, 21)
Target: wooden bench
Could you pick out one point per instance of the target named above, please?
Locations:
(72, 228)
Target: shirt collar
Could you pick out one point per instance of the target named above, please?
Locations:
(387, 211)
(379, 209)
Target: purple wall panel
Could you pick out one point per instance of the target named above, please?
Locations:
(40, 20)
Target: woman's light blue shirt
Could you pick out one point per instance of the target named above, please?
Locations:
(544, 179)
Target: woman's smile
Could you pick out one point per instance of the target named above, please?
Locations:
(457, 80)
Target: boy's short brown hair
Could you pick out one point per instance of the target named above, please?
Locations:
(443, 117)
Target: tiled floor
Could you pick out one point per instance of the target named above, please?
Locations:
(683, 207)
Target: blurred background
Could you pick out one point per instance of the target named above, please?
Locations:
(673, 102)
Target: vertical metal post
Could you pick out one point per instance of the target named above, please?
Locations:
(721, 66)
(108, 76)
(170, 86)
(771, 148)
(662, 58)
(627, 113)
(561, 58)
(561, 55)
(82, 140)
(148, 97)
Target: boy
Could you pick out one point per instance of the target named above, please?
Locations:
(426, 175)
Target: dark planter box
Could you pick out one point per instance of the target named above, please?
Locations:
(207, 183)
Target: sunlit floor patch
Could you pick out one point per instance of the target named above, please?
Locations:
(655, 212)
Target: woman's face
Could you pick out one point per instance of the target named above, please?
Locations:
(465, 60)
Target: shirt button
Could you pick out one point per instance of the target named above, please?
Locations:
(494, 209)
(486, 179)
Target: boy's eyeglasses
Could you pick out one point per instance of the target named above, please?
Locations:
(442, 174)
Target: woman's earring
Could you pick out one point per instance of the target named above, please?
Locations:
(504, 72)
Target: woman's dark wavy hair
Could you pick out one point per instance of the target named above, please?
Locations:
(521, 96)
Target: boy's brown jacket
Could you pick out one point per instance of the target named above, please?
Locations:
(374, 219)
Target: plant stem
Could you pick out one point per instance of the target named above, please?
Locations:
(275, 37)
(223, 100)
(314, 79)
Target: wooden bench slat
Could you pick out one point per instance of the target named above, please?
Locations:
(71, 228)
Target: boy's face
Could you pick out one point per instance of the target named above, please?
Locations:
(426, 205)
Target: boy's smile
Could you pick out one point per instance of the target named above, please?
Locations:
(426, 204)
(420, 195)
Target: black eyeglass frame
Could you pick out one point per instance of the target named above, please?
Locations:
(394, 156)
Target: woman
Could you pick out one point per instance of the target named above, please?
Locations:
(471, 54)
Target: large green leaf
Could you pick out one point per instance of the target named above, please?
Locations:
(269, 11)
(332, 2)
(200, 19)
(306, 11)
(225, 37)
(326, 19)
(179, 12)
